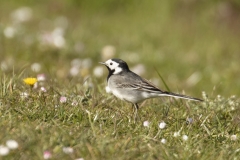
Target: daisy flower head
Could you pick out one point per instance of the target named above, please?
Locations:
(108, 52)
(9, 32)
(176, 134)
(43, 89)
(12, 144)
(36, 67)
(4, 150)
(22, 14)
(30, 81)
(233, 137)
(68, 150)
(63, 99)
(146, 123)
(74, 103)
(24, 94)
(98, 71)
(163, 141)
(185, 137)
(41, 77)
(162, 125)
(47, 155)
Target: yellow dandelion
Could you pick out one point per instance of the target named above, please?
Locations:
(30, 81)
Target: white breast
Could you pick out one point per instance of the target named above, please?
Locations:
(108, 90)
(117, 94)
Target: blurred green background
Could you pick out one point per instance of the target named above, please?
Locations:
(194, 44)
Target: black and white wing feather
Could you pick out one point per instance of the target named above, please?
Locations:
(135, 82)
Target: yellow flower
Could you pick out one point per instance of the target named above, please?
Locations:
(30, 81)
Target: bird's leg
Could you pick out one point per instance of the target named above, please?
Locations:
(135, 111)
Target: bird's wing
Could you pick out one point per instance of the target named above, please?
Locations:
(134, 82)
(137, 83)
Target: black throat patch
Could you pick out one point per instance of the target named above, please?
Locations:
(110, 73)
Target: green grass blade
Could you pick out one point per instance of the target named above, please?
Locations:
(165, 84)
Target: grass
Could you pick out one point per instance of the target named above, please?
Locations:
(182, 45)
(101, 127)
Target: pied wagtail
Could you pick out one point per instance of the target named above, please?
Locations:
(132, 88)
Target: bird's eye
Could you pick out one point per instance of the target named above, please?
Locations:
(110, 63)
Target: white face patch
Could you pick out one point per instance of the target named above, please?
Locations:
(113, 66)
(117, 70)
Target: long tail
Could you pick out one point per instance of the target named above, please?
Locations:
(175, 95)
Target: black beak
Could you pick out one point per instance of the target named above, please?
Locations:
(102, 63)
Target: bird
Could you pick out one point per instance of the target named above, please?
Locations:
(128, 86)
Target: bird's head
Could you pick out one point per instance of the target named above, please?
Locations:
(115, 66)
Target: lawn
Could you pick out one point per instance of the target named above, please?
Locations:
(67, 114)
